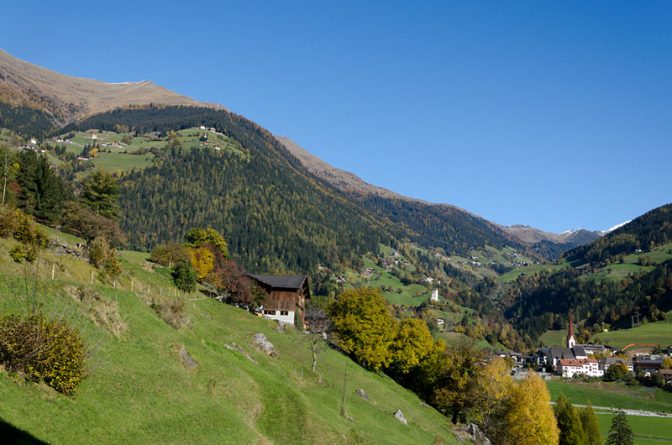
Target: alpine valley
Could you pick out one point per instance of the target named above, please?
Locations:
(195, 183)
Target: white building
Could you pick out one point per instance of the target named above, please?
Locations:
(435, 296)
(589, 367)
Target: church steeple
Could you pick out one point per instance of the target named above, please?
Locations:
(571, 340)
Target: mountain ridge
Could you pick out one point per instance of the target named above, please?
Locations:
(68, 98)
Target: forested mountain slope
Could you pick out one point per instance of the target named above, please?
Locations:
(444, 226)
(652, 229)
(551, 245)
(275, 215)
(626, 271)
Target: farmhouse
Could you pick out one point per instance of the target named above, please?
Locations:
(285, 297)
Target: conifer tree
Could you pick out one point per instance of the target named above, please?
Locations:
(101, 194)
(569, 422)
(591, 427)
(184, 276)
(620, 432)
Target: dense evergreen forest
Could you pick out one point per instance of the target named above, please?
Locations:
(25, 121)
(272, 220)
(442, 226)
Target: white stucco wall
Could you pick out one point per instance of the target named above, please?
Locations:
(289, 318)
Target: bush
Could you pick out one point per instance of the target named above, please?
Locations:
(172, 312)
(104, 257)
(169, 254)
(184, 277)
(103, 311)
(44, 350)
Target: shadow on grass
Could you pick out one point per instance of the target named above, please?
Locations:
(14, 436)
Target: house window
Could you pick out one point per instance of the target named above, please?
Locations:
(284, 312)
(269, 312)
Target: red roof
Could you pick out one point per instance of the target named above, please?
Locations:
(572, 362)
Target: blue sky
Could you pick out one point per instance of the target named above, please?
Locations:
(552, 114)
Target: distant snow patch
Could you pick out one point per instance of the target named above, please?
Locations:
(617, 226)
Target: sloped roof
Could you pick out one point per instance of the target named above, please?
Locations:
(287, 282)
(579, 351)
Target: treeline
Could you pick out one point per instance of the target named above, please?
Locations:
(540, 302)
(652, 229)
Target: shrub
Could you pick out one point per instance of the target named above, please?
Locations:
(87, 224)
(172, 312)
(44, 350)
(103, 311)
(169, 254)
(104, 257)
(184, 276)
(7, 221)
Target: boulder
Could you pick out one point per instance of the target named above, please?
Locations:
(477, 435)
(187, 360)
(400, 417)
(361, 393)
(262, 344)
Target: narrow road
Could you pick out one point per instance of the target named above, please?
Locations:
(629, 412)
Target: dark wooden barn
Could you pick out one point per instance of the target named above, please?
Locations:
(285, 297)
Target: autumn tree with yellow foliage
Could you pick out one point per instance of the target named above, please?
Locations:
(529, 419)
(491, 396)
(202, 260)
(364, 327)
(411, 345)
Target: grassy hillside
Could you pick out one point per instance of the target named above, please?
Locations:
(659, 333)
(139, 391)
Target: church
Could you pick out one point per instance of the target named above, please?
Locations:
(574, 358)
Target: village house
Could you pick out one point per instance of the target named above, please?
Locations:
(286, 297)
(610, 361)
(647, 364)
(435, 296)
(589, 367)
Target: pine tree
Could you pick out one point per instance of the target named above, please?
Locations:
(42, 193)
(620, 432)
(591, 427)
(569, 422)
